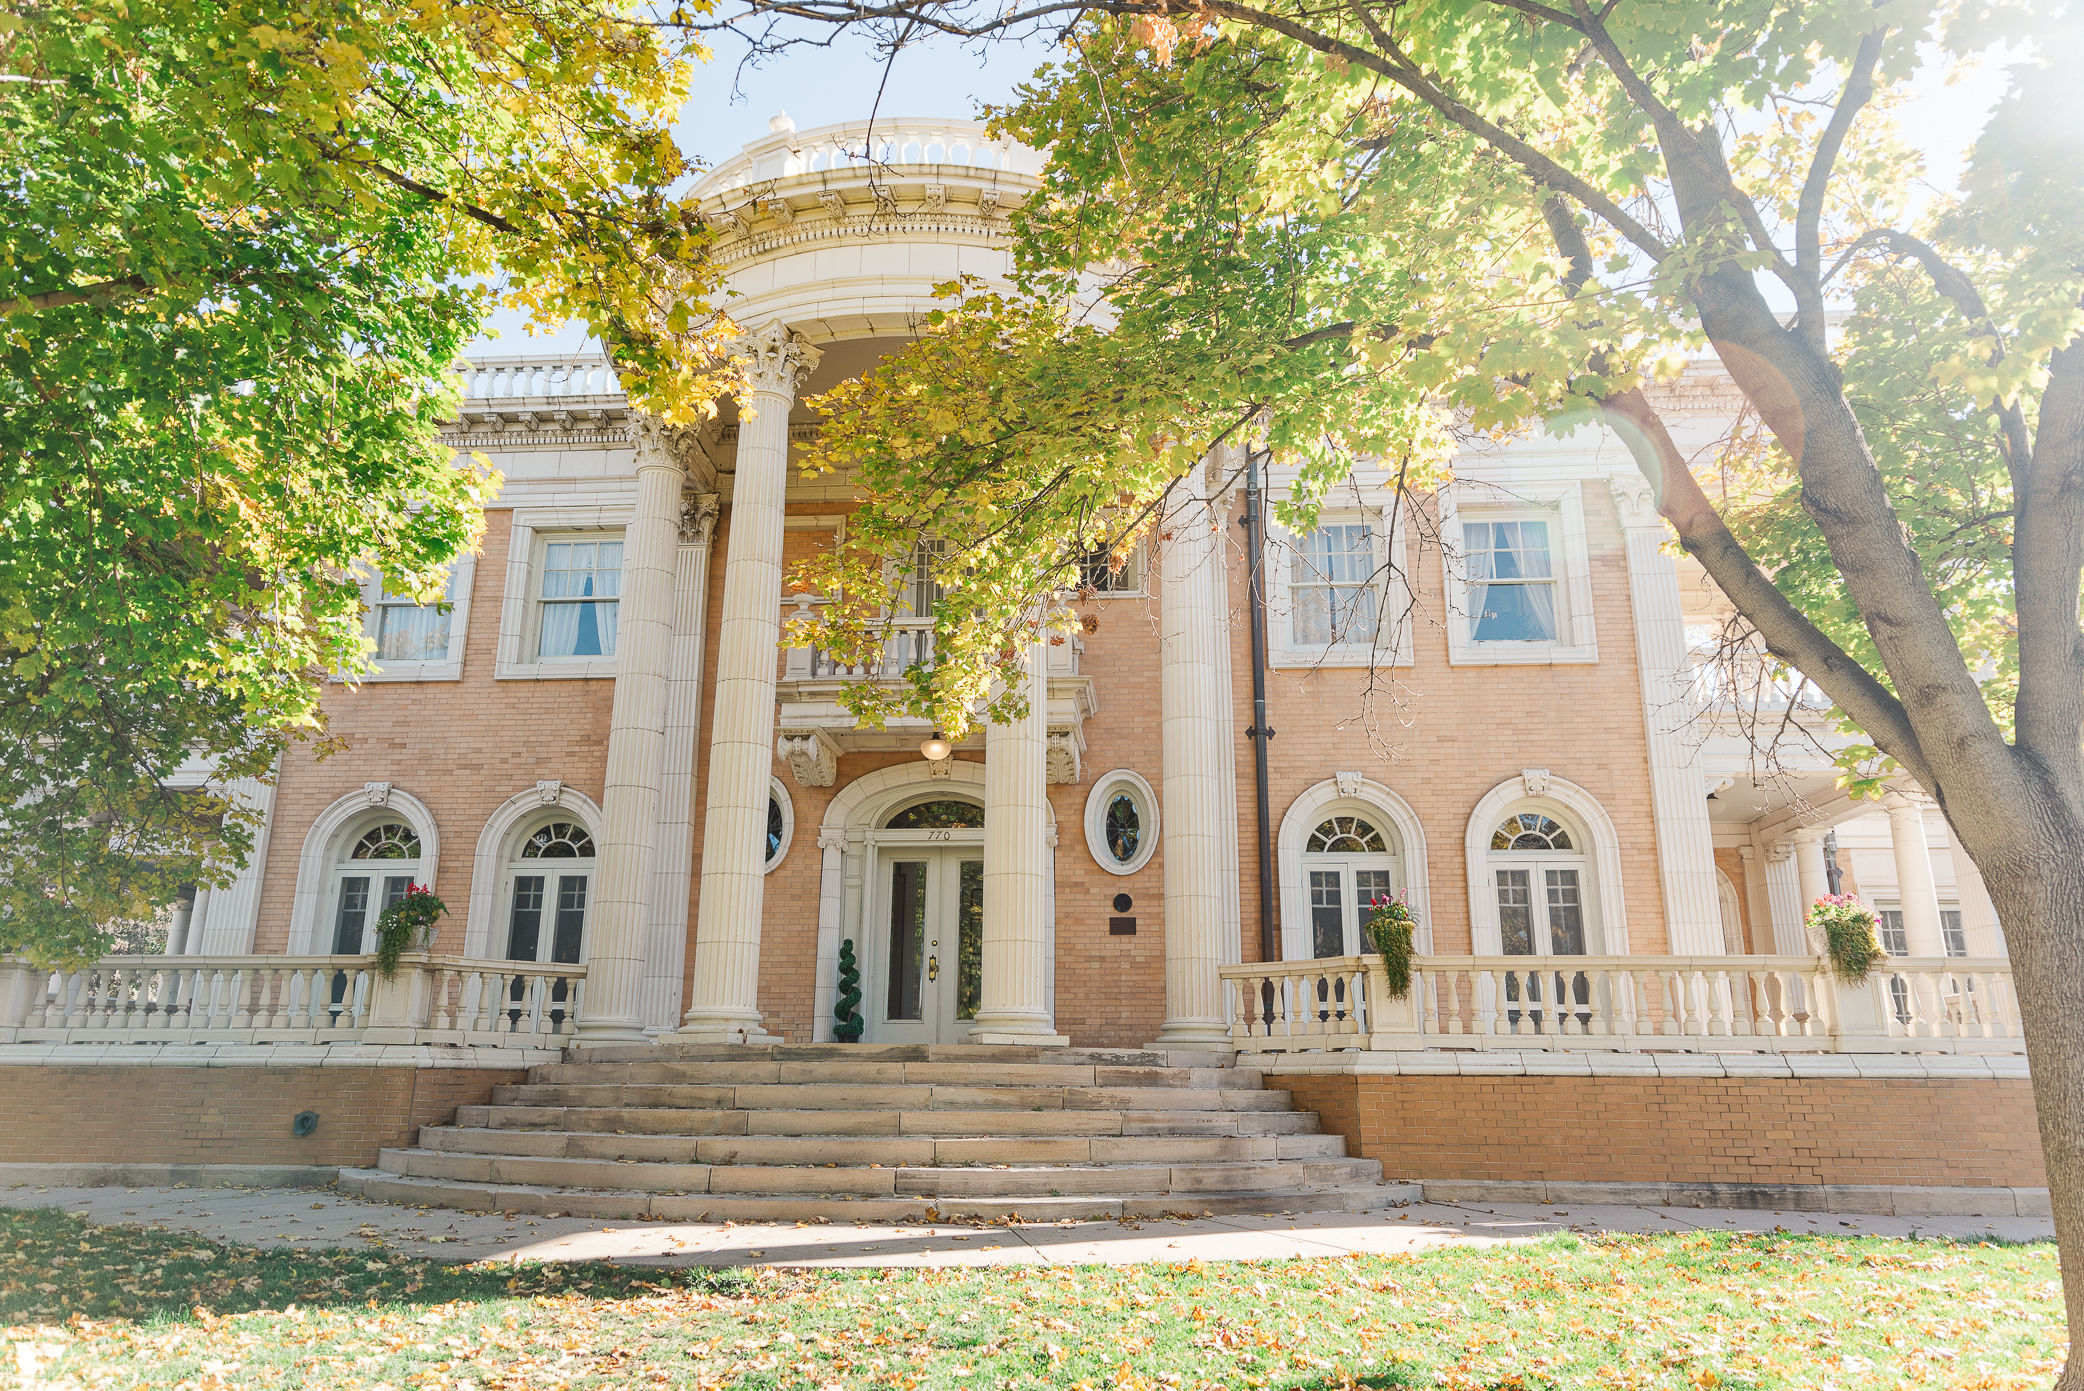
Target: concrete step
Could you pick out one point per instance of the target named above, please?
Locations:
(841, 1096)
(738, 1072)
(754, 1207)
(971, 1124)
(1121, 1180)
(890, 1152)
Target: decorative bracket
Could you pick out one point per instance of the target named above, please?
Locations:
(832, 202)
(1635, 500)
(941, 767)
(1066, 747)
(1535, 781)
(988, 202)
(549, 791)
(376, 794)
(811, 756)
(1349, 783)
(936, 196)
(779, 209)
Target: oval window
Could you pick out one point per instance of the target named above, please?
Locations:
(1121, 822)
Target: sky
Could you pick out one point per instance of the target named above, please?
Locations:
(944, 78)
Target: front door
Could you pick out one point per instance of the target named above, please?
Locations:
(929, 972)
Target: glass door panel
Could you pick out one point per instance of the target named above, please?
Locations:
(906, 968)
(969, 918)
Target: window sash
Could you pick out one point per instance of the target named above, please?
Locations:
(1511, 573)
(579, 599)
(1334, 592)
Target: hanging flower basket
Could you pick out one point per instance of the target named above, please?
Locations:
(1391, 931)
(407, 925)
(1850, 935)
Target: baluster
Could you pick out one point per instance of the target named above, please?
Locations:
(237, 1002)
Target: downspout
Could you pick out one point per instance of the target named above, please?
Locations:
(1259, 733)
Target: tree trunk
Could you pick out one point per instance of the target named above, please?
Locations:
(2038, 889)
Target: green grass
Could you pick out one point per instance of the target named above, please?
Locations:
(123, 1307)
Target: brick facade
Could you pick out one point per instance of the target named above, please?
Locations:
(1929, 1132)
(228, 1115)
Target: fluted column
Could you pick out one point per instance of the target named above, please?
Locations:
(725, 999)
(1191, 703)
(1784, 904)
(1685, 840)
(1979, 926)
(1015, 999)
(1810, 873)
(832, 850)
(1921, 930)
(665, 952)
(614, 999)
(227, 929)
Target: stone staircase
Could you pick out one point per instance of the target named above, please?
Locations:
(881, 1134)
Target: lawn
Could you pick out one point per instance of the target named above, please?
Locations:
(122, 1307)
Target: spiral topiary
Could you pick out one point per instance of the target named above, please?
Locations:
(850, 1025)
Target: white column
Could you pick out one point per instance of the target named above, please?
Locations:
(613, 1011)
(1921, 930)
(726, 991)
(665, 951)
(1784, 900)
(1014, 1007)
(199, 920)
(1814, 880)
(1678, 801)
(1190, 705)
(1979, 925)
(1229, 947)
(832, 845)
(227, 929)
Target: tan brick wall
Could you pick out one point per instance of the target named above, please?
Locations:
(1971, 1134)
(227, 1115)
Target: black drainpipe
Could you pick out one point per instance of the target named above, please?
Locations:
(1255, 542)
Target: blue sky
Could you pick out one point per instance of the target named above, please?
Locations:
(940, 77)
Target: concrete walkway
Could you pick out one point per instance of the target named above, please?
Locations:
(315, 1218)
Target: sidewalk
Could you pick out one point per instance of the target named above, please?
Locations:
(316, 1218)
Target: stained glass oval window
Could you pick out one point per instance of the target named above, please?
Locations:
(1124, 828)
(776, 827)
(560, 840)
(394, 840)
(1346, 835)
(1530, 830)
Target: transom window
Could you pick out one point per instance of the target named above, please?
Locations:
(393, 840)
(1332, 599)
(1512, 586)
(1530, 831)
(944, 814)
(560, 840)
(582, 585)
(1345, 833)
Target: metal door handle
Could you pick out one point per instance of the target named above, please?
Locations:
(933, 968)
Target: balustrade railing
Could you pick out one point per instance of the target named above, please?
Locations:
(1717, 1003)
(279, 999)
(508, 378)
(910, 641)
(861, 145)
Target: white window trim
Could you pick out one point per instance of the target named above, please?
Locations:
(1606, 913)
(1352, 793)
(499, 841)
(1139, 566)
(309, 924)
(448, 668)
(1392, 646)
(1577, 638)
(1096, 804)
(532, 528)
(779, 790)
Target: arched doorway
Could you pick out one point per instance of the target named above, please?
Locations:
(924, 975)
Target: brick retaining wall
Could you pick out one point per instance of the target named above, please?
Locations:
(227, 1115)
(1934, 1132)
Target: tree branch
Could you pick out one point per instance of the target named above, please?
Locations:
(2047, 561)
(84, 294)
(1859, 90)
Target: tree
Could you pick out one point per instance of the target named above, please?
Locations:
(1543, 205)
(240, 244)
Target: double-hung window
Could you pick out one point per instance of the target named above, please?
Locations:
(1333, 600)
(1512, 581)
(579, 600)
(413, 640)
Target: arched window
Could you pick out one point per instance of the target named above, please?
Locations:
(1348, 864)
(549, 893)
(945, 813)
(380, 860)
(1539, 875)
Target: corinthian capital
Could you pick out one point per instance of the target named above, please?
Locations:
(658, 444)
(775, 358)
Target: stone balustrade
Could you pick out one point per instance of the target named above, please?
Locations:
(291, 999)
(859, 145)
(1626, 1003)
(537, 378)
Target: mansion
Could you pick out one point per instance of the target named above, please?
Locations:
(603, 751)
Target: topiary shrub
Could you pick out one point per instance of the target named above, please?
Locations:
(847, 1012)
(407, 925)
(1850, 933)
(1392, 930)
